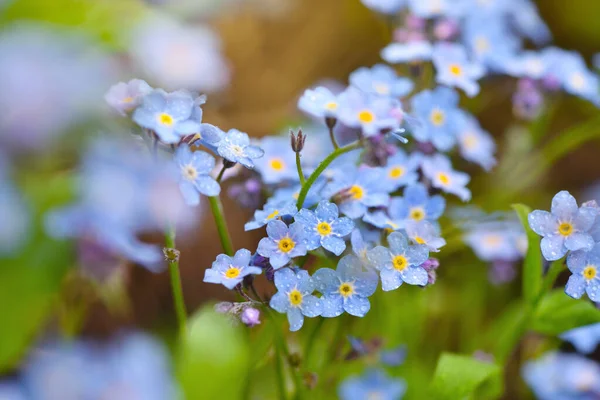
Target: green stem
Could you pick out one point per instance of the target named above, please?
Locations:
(220, 176)
(317, 172)
(176, 284)
(279, 369)
(311, 341)
(553, 272)
(299, 167)
(217, 210)
(332, 136)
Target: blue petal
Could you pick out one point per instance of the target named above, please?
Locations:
(278, 259)
(553, 247)
(242, 258)
(414, 276)
(254, 152)
(564, 206)
(417, 254)
(312, 306)
(307, 217)
(203, 162)
(586, 216)
(267, 247)
(357, 305)
(390, 279)
(435, 207)
(190, 193)
(398, 242)
(542, 222)
(342, 226)
(353, 209)
(210, 134)
(593, 290)
(333, 306)
(279, 302)
(277, 229)
(285, 280)
(380, 257)
(326, 211)
(575, 286)
(212, 276)
(579, 241)
(208, 186)
(416, 195)
(326, 280)
(295, 318)
(334, 244)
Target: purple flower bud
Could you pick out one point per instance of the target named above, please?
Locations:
(260, 261)
(414, 22)
(551, 82)
(250, 317)
(445, 29)
(431, 265)
(298, 140)
(501, 272)
(527, 100)
(270, 274)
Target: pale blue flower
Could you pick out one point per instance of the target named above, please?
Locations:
(454, 68)
(496, 241)
(230, 271)
(585, 266)
(319, 103)
(571, 70)
(380, 80)
(417, 205)
(347, 288)
(371, 113)
(400, 53)
(562, 376)
(565, 228)
(585, 338)
(271, 211)
(424, 232)
(490, 41)
(125, 97)
(360, 247)
(475, 144)
(438, 170)
(294, 297)
(374, 384)
(12, 389)
(283, 243)
(194, 174)
(430, 8)
(529, 64)
(436, 111)
(528, 22)
(324, 227)
(236, 147)
(400, 263)
(385, 6)
(279, 161)
(167, 114)
(401, 169)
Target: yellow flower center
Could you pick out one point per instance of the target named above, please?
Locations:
(400, 263)
(232, 272)
(469, 141)
(589, 272)
(295, 297)
(273, 214)
(128, 99)
(356, 192)
(578, 81)
(331, 106)
(237, 150)
(456, 70)
(417, 213)
(396, 172)
(277, 164)
(165, 119)
(366, 116)
(324, 229)
(189, 172)
(482, 44)
(286, 245)
(443, 178)
(565, 229)
(382, 88)
(419, 240)
(437, 117)
(346, 289)
(492, 240)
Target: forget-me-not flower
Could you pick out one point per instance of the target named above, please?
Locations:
(230, 271)
(236, 147)
(528, 22)
(294, 297)
(417, 205)
(436, 111)
(424, 232)
(360, 246)
(347, 288)
(400, 53)
(475, 144)
(438, 170)
(271, 211)
(400, 263)
(283, 243)
(369, 112)
(585, 278)
(585, 338)
(125, 97)
(565, 228)
(380, 80)
(279, 161)
(324, 227)
(575, 76)
(496, 241)
(490, 41)
(319, 102)
(385, 6)
(194, 174)
(401, 169)
(374, 384)
(454, 68)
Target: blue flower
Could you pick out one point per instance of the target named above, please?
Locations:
(360, 247)
(369, 112)
(529, 64)
(439, 171)
(194, 169)
(585, 338)
(167, 114)
(271, 211)
(574, 75)
(400, 263)
(380, 80)
(431, 8)
(236, 147)
(528, 22)
(347, 288)
(424, 232)
(12, 389)
(565, 228)
(475, 144)
(279, 161)
(385, 6)
(585, 266)
(360, 189)
(374, 384)
(323, 227)
(436, 111)
(401, 170)
(230, 271)
(454, 68)
(283, 243)
(125, 97)
(319, 102)
(496, 241)
(417, 205)
(294, 297)
(558, 376)
(490, 41)
(400, 53)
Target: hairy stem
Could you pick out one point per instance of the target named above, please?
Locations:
(177, 290)
(299, 167)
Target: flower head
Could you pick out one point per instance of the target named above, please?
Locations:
(585, 266)
(371, 113)
(424, 232)
(236, 147)
(279, 161)
(439, 170)
(496, 241)
(401, 170)
(125, 97)
(374, 384)
(565, 228)
(194, 179)
(417, 205)
(324, 227)
(380, 80)
(399, 53)
(283, 243)
(294, 297)
(385, 6)
(585, 338)
(475, 144)
(319, 103)
(436, 111)
(574, 75)
(400, 262)
(490, 41)
(230, 271)
(455, 69)
(273, 210)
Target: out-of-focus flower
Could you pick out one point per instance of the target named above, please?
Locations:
(454, 68)
(236, 147)
(585, 266)
(125, 97)
(294, 297)
(380, 80)
(359, 246)
(528, 100)
(347, 288)
(439, 170)
(400, 263)
(324, 227)
(424, 232)
(528, 22)
(374, 384)
(279, 161)
(401, 170)
(177, 56)
(230, 271)
(496, 240)
(399, 53)
(12, 390)
(490, 41)
(475, 144)
(319, 103)
(585, 338)
(194, 179)
(436, 111)
(283, 243)
(574, 75)
(369, 112)
(565, 228)
(563, 376)
(271, 211)
(385, 6)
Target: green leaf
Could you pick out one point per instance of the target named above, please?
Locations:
(213, 360)
(460, 377)
(558, 313)
(532, 266)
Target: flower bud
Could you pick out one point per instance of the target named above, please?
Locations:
(250, 317)
(297, 140)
